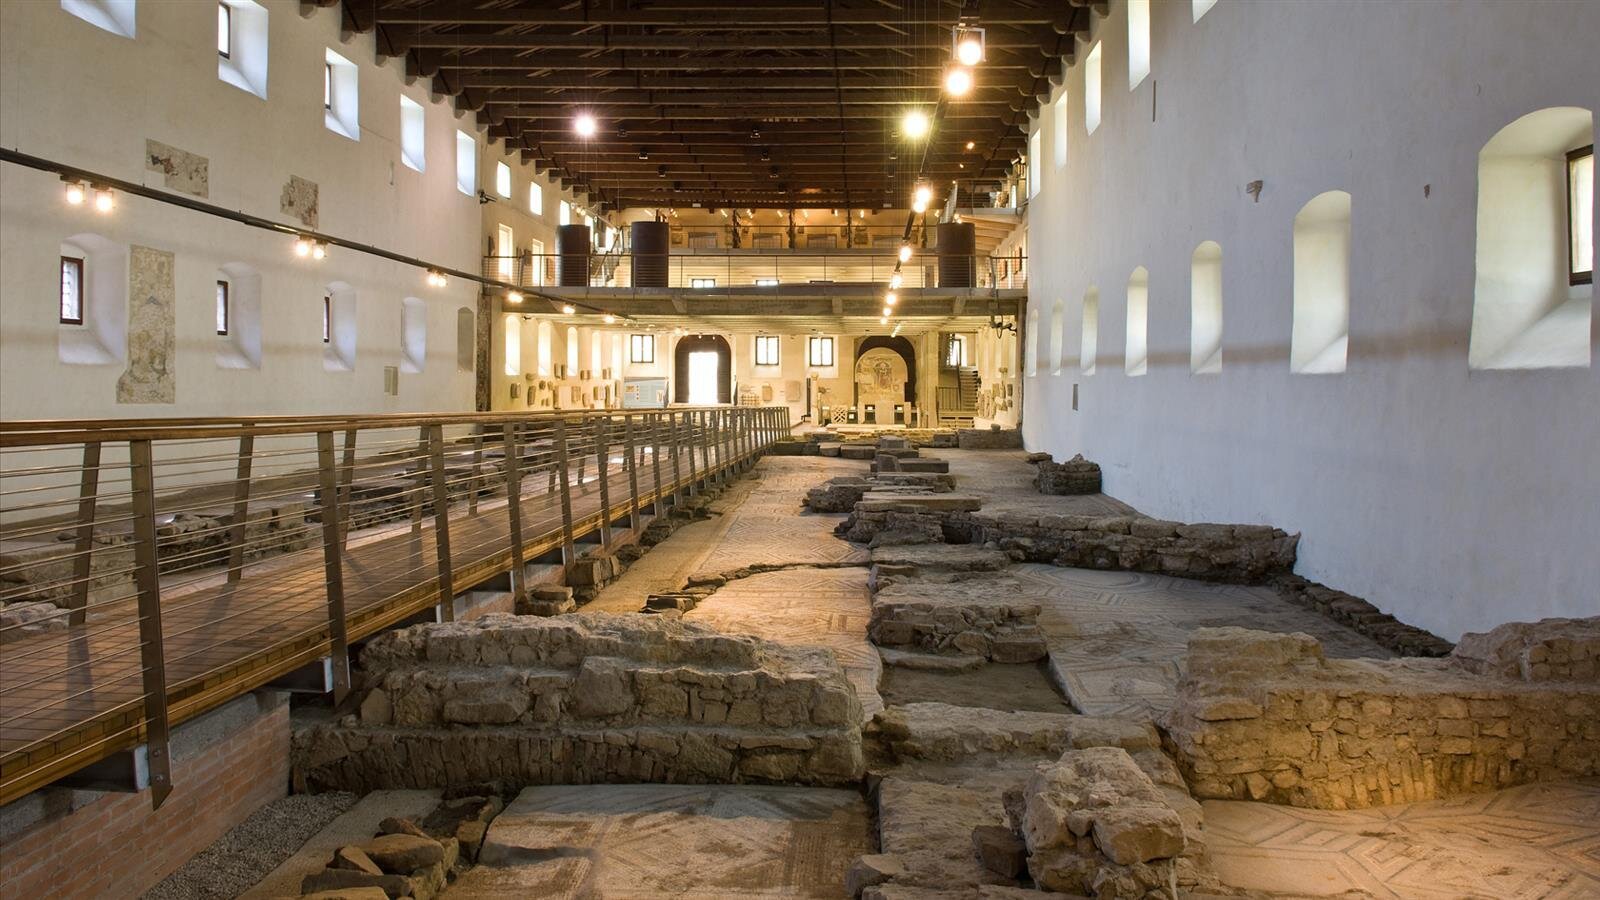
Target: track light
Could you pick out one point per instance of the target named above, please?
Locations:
(302, 246)
(644, 152)
(919, 200)
(958, 81)
(884, 320)
(436, 278)
(887, 312)
(103, 201)
(585, 125)
(905, 252)
(891, 298)
(914, 124)
(319, 250)
(661, 171)
(970, 145)
(568, 309)
(74, 192)
(513, 297)
(610, 319)
(894, 282)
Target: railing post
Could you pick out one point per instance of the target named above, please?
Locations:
(569, 552)
(418, 480)
(477, 468)
(513, 467)
(634, 522)
(715, 437)
(241, 507)
(659, 506)
(333, 564)
(441, 523)
(705, 445)
(603, 472)
(688, 427)
(152, 659)
(346, 475)
(83, 548)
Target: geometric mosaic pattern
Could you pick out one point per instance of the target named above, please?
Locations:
(1534, 841)
(630, 842)
(771, 526)
(1117, 639)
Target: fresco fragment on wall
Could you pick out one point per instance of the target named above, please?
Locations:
(152, 320)
(299, 199)
(183, 171)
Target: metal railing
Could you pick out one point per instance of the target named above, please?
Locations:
(153, 569)
(749, 269)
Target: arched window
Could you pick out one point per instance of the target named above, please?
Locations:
(413, 335)
(1138, 42)
(1091, 330)
(1057, 337)
(513, 326)
(597, 356)
(572, 352)
(1320, 341)
(1136, 355)
(93, 301)
(547, 336)
(339, 327)
(1535, 231)
(238, 316)
(1205, 309)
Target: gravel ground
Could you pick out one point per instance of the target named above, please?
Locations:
(252, 848)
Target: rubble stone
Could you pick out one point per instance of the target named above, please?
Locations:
(1075, 476)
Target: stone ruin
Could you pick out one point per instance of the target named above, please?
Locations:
(992, 438)
(584, 699)
(1265, 716)
(407, 858)
(1075, 476)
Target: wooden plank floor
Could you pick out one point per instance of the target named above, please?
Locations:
(69, 698)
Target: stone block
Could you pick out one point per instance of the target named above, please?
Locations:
(1000, 850)
(403, 853)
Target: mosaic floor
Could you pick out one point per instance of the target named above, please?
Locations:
(631, 842)
(1535, 841)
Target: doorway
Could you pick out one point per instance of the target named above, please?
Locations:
(704, 376)
(702, 370)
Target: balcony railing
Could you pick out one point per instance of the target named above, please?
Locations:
(155, 569)
(754, 269)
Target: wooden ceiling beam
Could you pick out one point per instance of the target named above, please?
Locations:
(746, 16)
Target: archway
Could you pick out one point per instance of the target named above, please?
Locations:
(885, 377)
(702, 370)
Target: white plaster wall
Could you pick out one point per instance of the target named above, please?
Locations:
(74, 93)
(1454, 499)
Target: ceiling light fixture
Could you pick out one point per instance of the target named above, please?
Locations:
(919, 200)
(967, 45)
(436, 278)
(568, 309)
(891, 298)
(905, 252)
(958, 81)
(887, 312)
(103, 201)
(914, 124)
(585, 125)
(894, 281)
(970, 145)
(884, 320)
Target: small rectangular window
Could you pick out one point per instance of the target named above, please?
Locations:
(466, 164)
(535, 198)
(327, 318)
(702, 282)
(1035, 164)
(819, 351)
(412, 134)
(767, 349)
(224, 31)
(566, 214)
(766, 282)
(1580, 215)
(502, 179)
(222, 307)
(1091, 89)
(957, 355)
(71, 290)
(641, 348)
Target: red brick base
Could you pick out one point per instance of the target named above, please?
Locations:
(115, 845)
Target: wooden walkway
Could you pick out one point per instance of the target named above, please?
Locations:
(70, 698)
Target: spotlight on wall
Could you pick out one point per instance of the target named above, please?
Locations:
(319, 250)
(513, 297)
(914, 124)
(884, 320)
(887, 312)
(103, 200)
(966, 44)
(905, 252)
(568, 309)
(74, 191)
(585, 125)
(436, 278)
(610, 319)
(958, 81)
(302, 246)
(971, 144)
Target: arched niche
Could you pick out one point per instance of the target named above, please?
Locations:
(1526, 312)
(1136, 352)
(900, 346)
(696, 344)
(546, 347)
(1205, 309)
(102, 338)
(1033, 341)
(339, 352)
(413, 335)
(572, 352)
(240, 348)
(466, 339)
(1091, 331)
(513, 345)
(1057, 336)
(1320, 340)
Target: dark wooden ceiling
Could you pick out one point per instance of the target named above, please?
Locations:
(759, 103)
